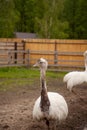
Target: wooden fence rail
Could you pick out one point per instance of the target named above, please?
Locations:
(12, 58)
(61, 65)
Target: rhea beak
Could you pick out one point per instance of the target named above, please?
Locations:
(35, 65)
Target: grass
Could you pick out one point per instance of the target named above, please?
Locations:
(11, 77)
(17, 73)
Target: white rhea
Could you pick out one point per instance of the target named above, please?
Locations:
(50, 106)
(76, 77)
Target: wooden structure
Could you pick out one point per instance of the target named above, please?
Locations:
(12, 53)
(61, 54)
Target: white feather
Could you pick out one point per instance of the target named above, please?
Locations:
(85, 128)
(58, 109)
(75, 78)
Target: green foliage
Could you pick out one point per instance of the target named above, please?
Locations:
(81, 19)
(47, 18)
(50, 24)
(75, 12)
(8, 18)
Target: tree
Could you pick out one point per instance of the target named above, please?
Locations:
(75, 12)
(20, 7)
(81, 20)
(47, 18)
(8, 18)
(70, 12)
(50, 24)
(30, 15)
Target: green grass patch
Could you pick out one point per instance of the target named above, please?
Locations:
(16, 72)
(11, 77)
(53, 74)
(21, 72)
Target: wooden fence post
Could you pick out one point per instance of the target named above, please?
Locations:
(15, 54)
(55, 54)
(9, 57)
(28, 60)
(24, 42)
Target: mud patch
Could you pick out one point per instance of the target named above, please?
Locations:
(16, 107)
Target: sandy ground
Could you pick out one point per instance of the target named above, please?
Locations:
(16, 107)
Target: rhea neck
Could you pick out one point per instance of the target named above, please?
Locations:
(45, 103)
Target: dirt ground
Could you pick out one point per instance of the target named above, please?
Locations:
(16, 106)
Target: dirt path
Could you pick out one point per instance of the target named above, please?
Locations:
(16, 107)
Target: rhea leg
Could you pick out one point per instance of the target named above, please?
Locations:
(47, 123)
(52, 124)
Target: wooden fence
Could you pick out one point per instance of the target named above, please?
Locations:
(61, 54)
(13, 53)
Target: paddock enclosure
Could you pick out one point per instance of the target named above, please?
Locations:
(61, 54)
(17, 100)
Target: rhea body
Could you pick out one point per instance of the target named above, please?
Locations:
(50, 106)
(76, 77)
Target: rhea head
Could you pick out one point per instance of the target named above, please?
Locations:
(85, 53)
(42, 64)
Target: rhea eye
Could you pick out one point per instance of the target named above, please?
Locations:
(40, 62)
